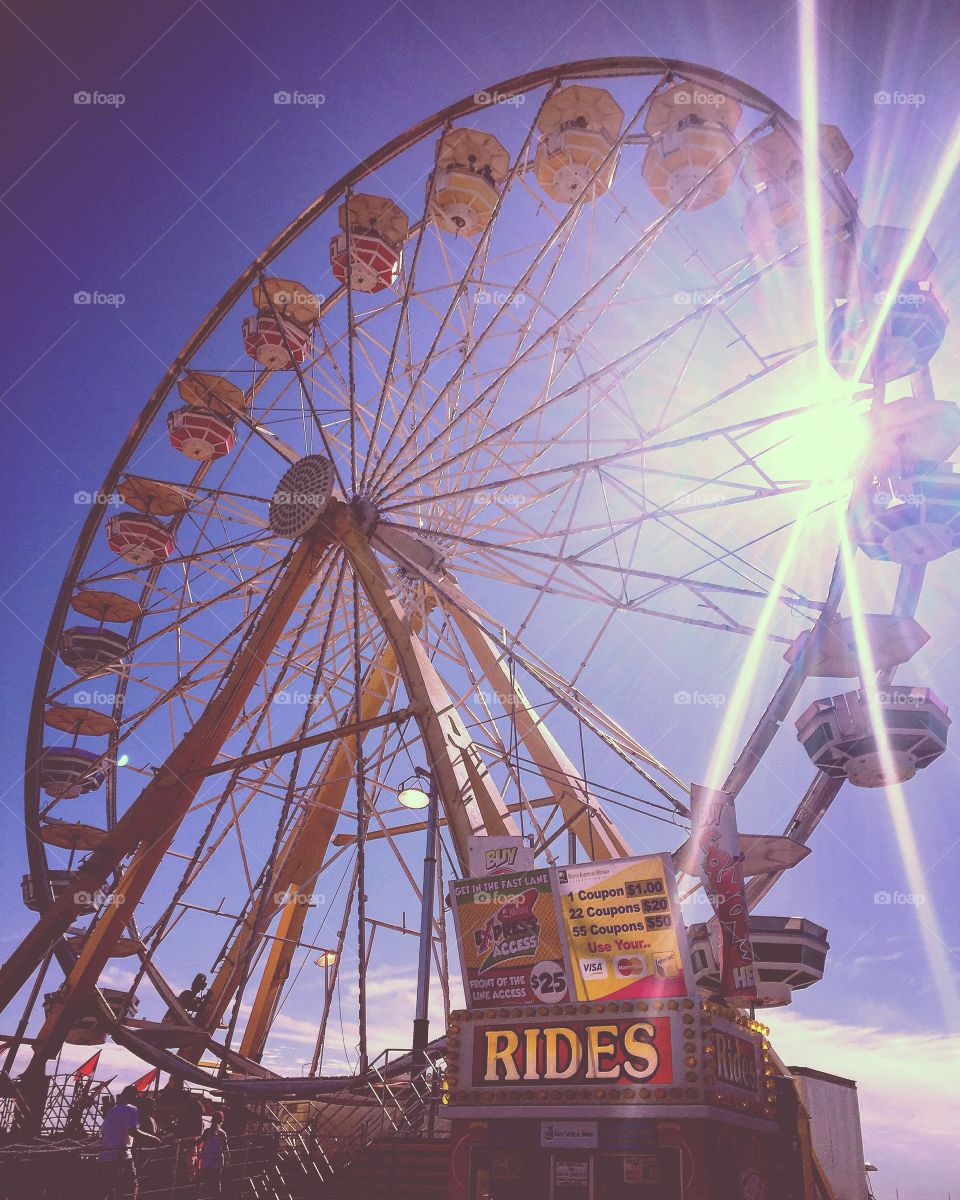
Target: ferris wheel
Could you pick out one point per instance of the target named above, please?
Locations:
(502, 414)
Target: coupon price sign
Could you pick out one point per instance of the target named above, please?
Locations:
(624, 934)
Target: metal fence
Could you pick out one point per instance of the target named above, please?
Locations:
(260, 1168)
(286, 1150)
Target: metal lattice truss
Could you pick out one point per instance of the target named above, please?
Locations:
(558, 437)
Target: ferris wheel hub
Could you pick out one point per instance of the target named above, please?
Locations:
(302, 496)
(365, 513)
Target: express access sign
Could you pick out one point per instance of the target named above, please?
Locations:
(509, 940)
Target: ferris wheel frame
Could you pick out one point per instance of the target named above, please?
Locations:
(580, 70)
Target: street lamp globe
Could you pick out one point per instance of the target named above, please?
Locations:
(413, 797)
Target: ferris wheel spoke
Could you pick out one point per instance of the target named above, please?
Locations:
(133, 571)
(629, 258)
(153, 637)
(487, 398)
(494, 644)
(558, 239)
(487, 409)
(579, 585)
(227, 793)
(401, 324)
(619, 368)
(479, 251)
(734, 559)
(630, 457)
(305, 392)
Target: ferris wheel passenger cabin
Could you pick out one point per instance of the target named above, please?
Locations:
(692, 158)
(579, 126)
(372, 232)
(471, 168)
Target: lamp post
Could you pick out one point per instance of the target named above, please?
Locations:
(415, 797)
(326, 960)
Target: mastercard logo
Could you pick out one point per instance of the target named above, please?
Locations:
(631, 968)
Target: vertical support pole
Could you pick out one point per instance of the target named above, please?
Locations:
(421, 1020)
(361, 819)
(17, 1040)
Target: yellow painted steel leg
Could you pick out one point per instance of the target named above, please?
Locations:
(471, 805)
(594, 830)
(299, 861)
(275, 973)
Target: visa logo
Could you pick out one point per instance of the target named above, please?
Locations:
(593, 968)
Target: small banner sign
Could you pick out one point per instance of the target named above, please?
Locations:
(717, 861)
(490, 854)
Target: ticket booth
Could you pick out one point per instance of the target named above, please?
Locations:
(633, 1159)
(567, 1160)
(663, 1100)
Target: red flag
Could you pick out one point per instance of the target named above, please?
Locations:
(87, 1069)
(719, 863)
(144, 1081)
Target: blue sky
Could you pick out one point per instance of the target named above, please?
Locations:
(164, 197)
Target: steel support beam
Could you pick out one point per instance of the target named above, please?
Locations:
(275, 973)
(313, 739)
(594, 830)
(470, 800)
(298, 862)
(149, 825)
